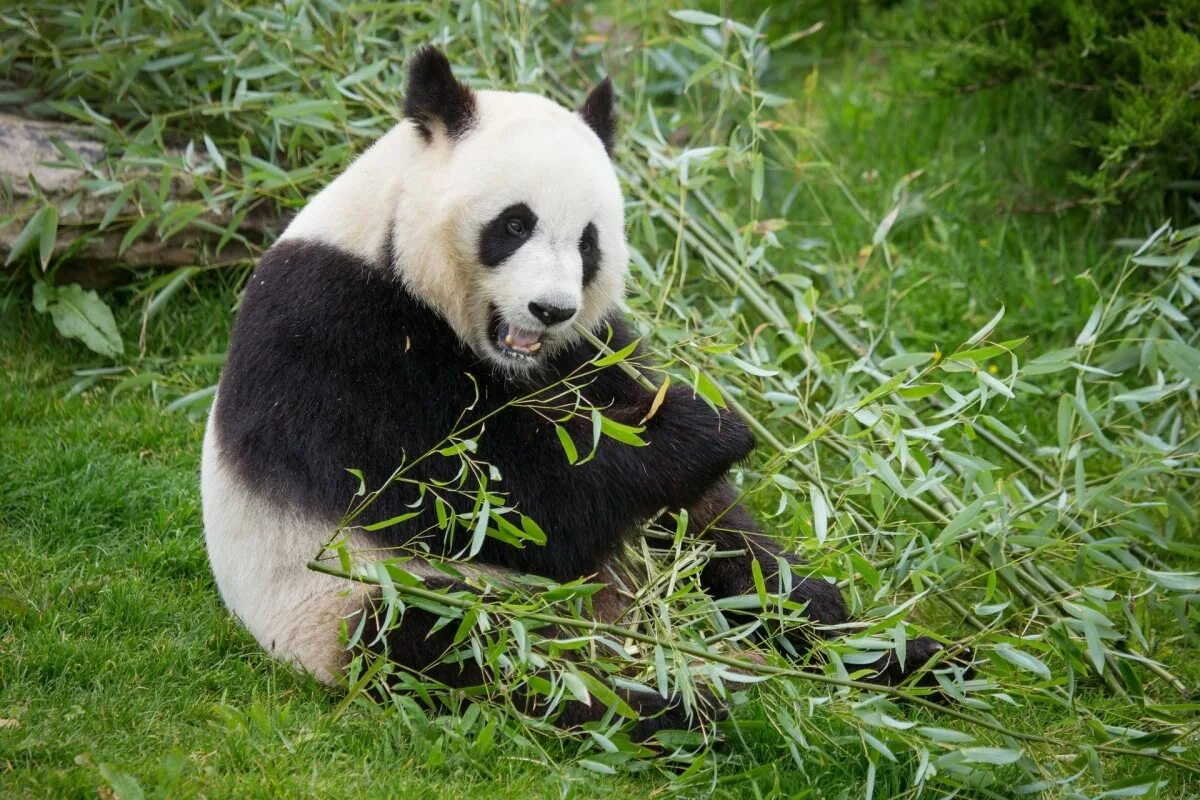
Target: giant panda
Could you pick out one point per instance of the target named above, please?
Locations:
(440, 275)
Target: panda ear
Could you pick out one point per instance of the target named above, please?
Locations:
(433, 96)
(598, 112)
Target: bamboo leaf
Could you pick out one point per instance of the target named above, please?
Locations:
(568, 444)
(81, 314)
(1023, 660)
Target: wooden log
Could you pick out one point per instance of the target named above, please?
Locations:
(83, 253)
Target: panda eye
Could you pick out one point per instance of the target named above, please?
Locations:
(515, 226)
(585, 246)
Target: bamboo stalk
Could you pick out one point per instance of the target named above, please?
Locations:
(755, 668)
(763, 433)
(697, 237)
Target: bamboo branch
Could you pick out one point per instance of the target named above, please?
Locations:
(754, 668)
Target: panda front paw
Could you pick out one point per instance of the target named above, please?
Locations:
(715, 438)
(656, 713)
(920, 651)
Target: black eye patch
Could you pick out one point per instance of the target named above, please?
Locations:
(505, 234)
(589, 251)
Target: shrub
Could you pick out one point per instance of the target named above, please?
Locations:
(1131, 69)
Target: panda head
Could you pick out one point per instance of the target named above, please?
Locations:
(513, 225)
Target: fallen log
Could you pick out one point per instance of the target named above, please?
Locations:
(83, 253)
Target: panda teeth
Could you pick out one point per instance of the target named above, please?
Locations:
(519, 346)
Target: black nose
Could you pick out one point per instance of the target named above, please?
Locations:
(551, 315)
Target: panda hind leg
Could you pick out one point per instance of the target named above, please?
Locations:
(419, 645)
(719, 517)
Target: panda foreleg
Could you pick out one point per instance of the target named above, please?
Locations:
(718, 516)
(418, 645)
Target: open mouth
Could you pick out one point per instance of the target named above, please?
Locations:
(514, 342)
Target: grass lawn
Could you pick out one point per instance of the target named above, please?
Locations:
(119, 663)
(116, 655)
(121, 672)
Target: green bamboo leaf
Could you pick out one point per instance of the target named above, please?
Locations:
(479, 534)
(760, 585)
(81, 314)
(387, 523)
(576, 686)
(1095, 646)
(919, 392)
(533, 532)
(754, 369)
(31, 233)
(1185, 359)
(988, 327)
(48, 235)
(1087, 336)
(597, 689)
(1066, 422)
(214, 152)
(696, 17)
(364, 73)
(200, 397)
(568, 444)
(135, 230)
(990, 755)
(962, 521)
(1176, 581)
(1023, 660)
(820, 512)
(707, 388)
(117, 205)
(618, 355)
(993, 383)
(945, 735)
(626, 434)
(904, 361)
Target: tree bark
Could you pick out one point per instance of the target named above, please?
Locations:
(83, 253)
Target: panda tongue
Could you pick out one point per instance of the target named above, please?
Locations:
(522, 340)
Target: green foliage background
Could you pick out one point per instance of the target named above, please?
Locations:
(1128, 71)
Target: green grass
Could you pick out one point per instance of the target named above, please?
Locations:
(114, 646)
(118, 662)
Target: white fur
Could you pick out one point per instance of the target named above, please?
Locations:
(435, 197)
(258, 551)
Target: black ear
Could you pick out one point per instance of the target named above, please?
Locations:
(598, 112)
(434, 97)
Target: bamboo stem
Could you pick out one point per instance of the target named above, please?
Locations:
(753, 667)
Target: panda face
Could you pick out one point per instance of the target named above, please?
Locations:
(508, 217)
(547, 233)
(546, 273)
(542, 232)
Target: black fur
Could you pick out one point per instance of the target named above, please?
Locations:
(497, 242)
(589, 251)
(599, 112)
(423, 647)
(333, 365)
(434, 96)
